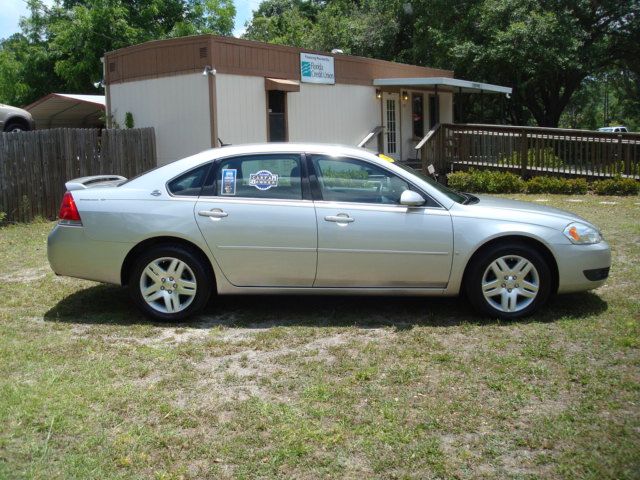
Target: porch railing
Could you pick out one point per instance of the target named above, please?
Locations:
(531, 151)
(375, 131)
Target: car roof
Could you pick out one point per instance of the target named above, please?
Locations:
(173, 169)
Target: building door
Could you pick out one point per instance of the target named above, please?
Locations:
(277, 115)
(391, 124)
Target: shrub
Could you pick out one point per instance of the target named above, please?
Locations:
(2, 217)
(128, 120)
(557, 185)
(616, 186)
(486, 181)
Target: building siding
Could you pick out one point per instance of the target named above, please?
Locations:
(241, 109)
(332, 113)
(176, 106)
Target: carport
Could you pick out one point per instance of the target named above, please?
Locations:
(68, 110)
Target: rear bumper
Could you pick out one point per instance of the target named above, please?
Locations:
(582, 267)
(72, 254)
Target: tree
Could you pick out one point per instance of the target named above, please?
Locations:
(544, 49)
(60, 46)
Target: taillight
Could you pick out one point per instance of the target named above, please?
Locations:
(68, 210)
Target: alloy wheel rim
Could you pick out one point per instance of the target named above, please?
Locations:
(168, 285)
(510, 283)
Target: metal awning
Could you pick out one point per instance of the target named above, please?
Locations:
(281, 85)
(68, 110)
(442, 83)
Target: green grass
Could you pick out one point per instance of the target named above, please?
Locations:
(289, 387)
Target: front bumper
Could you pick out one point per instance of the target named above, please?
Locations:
(72, 254)
(582, 267)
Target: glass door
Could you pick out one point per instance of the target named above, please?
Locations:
(391, 124)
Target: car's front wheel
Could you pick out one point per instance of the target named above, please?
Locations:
(170, 282)
(508, 281)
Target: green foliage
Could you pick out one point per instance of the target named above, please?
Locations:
(545, 157)
(60, 46)
(616, 186)
(486, 181)
(619, 88)
(128, 120)
(544, 50)
(577, 186)
(3, 215)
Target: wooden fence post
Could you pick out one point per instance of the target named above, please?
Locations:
(524, 153)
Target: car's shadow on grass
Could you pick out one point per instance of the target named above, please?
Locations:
(106, 304)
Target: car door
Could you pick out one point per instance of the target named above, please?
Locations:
(257, 223)
(366, 238)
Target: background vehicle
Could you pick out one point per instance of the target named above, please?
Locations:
(618, 129)
(316, 219)
(14, 119)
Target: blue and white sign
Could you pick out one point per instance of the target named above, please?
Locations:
(263, 180)
(316, 69)
(229, 181)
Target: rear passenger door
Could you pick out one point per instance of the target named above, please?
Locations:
(259, 222)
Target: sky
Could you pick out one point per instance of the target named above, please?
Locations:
(12, 10)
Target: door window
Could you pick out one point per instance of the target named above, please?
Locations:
(351, 180)
(260, 176)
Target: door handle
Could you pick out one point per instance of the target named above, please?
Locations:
(340, 218)
(215, 213)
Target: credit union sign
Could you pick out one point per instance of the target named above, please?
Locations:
(316, 69)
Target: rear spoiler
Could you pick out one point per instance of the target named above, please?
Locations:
(93, 181)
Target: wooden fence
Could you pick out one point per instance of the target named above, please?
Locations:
(531, 151)
(34, 166)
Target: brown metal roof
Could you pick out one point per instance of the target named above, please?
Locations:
(68, 110)
(244, 57)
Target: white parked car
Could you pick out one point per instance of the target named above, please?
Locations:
(316, 219)
(618, 129)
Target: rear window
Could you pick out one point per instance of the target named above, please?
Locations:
(189, 184)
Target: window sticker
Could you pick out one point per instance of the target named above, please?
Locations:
(229, 181)
(263, 180)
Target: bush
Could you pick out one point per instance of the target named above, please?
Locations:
(486, 181)
(2, 217)
(557, 185)
(616, 186)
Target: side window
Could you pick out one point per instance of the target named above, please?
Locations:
(260, 176)
(189, 184)
(351, 180)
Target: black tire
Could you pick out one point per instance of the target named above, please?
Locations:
(480, 264)
(196, 269)
(15, 127)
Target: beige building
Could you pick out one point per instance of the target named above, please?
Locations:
(201, 91)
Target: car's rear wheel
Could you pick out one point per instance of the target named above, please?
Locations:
(170, 282)
(508, 281)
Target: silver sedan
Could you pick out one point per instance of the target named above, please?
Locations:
(316, 219)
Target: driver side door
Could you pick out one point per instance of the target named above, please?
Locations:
(366, 238)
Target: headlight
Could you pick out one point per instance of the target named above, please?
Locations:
(581, 234)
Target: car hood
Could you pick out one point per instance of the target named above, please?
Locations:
(527, 212)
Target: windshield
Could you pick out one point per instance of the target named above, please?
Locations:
(452, 194)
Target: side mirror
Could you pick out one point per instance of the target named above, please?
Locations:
(411, 199)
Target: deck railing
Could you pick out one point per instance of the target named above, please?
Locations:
(531, 151)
